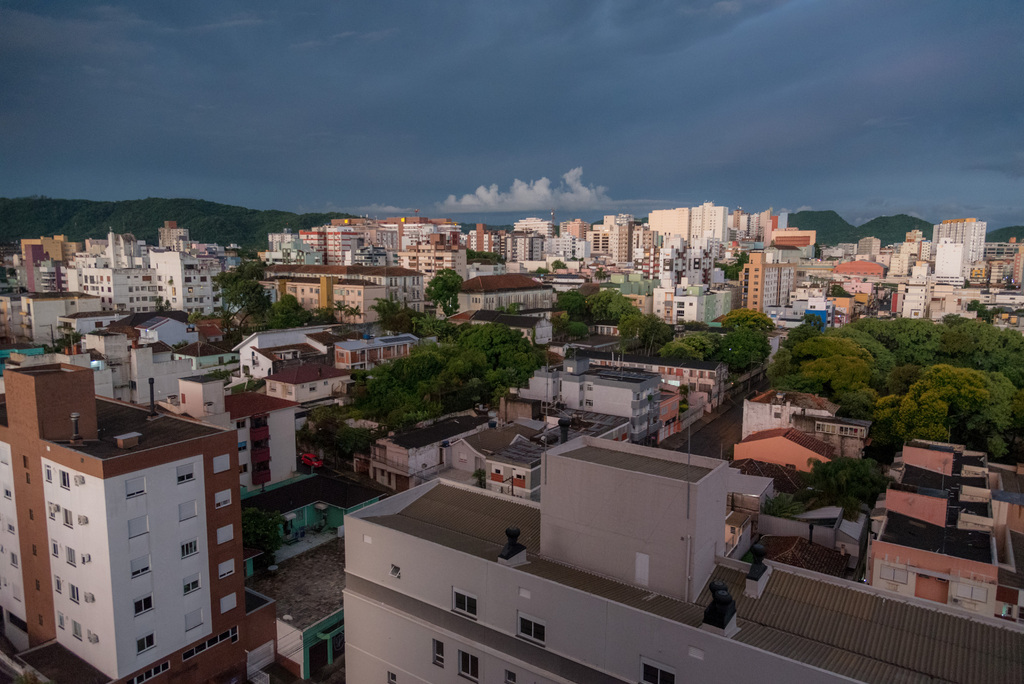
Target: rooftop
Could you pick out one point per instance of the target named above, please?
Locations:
(94, 314)
(354, 270)
(439, 431)
(1014, 578)
(793, 435)
(798, 399)
(800, 553)
(930, 479)
(489, 441)
(787, 480)
(58, 664)
(247, 404)
(197, 349)
(841, 627)
(649, 360)
(950, 541)
(311, 490)
(509, 281)
(307, 372)
(289, 586)
(623, 460)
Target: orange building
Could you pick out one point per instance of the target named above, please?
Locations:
(786, 447)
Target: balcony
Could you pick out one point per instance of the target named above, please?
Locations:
(260, 477)
(259, 455)
(259, 433)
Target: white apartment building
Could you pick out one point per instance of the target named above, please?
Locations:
(567, 247)
(709, 224)
(950, 267)
(969, 232)
(132, 560)
(35, 316)
(543, 227)
(291, 251)
(185, 282)
(693, 303)
(119, 288)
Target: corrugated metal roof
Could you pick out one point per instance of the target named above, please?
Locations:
(640, 464)
(866, 636)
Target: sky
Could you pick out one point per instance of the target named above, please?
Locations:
(486, 111)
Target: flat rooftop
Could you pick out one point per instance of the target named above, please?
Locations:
(293, 587)
(308, 491)
(58, 664)
(950, 541)
(838, 626)
(638, 464)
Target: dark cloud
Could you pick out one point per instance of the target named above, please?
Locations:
(860, 106)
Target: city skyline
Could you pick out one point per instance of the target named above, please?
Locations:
(480, 111)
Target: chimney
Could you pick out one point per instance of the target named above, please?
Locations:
(563, 424)
(720, 615)
(514, 553)
(75, 436)
(152, 399)
(757, 577)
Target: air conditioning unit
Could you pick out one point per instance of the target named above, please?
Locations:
(86, 557)
(79, 480)
(54, 508)
(93, 637)
(955, 600)
(90, 597)
(83, 520)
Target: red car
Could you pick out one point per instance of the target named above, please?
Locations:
(312, 460)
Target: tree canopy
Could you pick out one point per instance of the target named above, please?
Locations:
(747, 318)
(444, 289)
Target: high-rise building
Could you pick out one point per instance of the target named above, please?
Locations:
(708, 223)
(124, 539)
(544, 227)
(670, 222)
(969, 232)
(576, 228)
(869, 246)
(173, 237)
(765, 284)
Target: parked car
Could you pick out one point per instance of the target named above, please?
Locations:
(312, 460)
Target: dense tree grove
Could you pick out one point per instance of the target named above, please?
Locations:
(960, 380)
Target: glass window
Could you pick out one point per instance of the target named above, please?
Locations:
(469, 666)
(191, 583)
(144, 643)
(463, 603)
(189, 548)
(438, 654)
(531, 628)
(135, 487)
(144, 604)
(186, 473)
(140, 566)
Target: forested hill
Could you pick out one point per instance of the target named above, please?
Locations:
(27, 217)
(833, 228)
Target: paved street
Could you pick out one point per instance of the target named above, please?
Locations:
(716, 434)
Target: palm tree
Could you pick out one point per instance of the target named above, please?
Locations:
(783, 506)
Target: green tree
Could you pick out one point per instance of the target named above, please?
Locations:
(444, 289)
(609, 305)
(838, 290)
(573, 303)
(577, 330)
(732, 271)
(782, 505)
(845, 482)
(287, 313)
(395, 317)
(261, 530)
(600, 274)
(558, 264)
(699, 346)
(241, 293)
(649, 331)
(542, 271)
(747, 318)
(742, 348)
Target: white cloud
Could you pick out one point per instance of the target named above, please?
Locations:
(538, 194)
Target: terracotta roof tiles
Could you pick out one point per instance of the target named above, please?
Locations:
(795, 436)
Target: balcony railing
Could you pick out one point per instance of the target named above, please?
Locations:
(260, 455)
(259, 433)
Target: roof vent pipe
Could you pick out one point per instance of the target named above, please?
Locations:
(152, 399)
(514, 553)
(563, 424)
(757, 577)
(75, 437)
(720, 615)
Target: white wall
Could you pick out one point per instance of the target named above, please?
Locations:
(12, 585)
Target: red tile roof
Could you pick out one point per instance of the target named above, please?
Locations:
(787, 480)
(354, 270)
(511, 281)
(309, 372)
(800, 553)
(793, 435)
(251, 403)
(203, 349)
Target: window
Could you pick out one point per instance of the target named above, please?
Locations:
(189, 548)
(137, 526)
(68, 518)
(228, 602)
(76, 629)
(222, 499)
(510, 677)
(225, 534)
(186, 473)
(140, 566)
(240, 424)
(69, 554)
(150, 673)
(187, 510)
(654, 673)
(144, 604)
(226, 568)
(14, 559)
(971, 593)
(55, 549)
(144, 644)
(60, 620)
(193, 619)
(469, 666)
(58, 585)
(438, 653)
(221, 463)
(892, 574)
(73, 592)
(531, 628)
(190, 584)
(463, 603)
(65, 479)
(243, 446)
(49, 473)
(7, 492)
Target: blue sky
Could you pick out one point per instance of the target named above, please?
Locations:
(481, 110)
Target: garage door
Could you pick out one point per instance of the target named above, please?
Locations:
(259, 658)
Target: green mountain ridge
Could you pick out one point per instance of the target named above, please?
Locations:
(29, 217)
(833, 228)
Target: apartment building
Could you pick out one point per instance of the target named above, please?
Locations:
(708, 378)
(491, 292)
(291, 251)
(185, 282)
(621, 580)
(765, 284)
(401, 284)
(869, 247)
(35, 316)
(810, 414)
(944, 536)
(267, 351)
(57, 248)
(969, 232)
(575, 385)
(170, 236)
(543, 227)
(576, 228)
(612, 239)
(335, 241)
(433, 256)
(409, 458)
(670, 222)
(124, 539)
(709, 226)
(364, 354)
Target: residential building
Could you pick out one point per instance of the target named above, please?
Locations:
(869, 247)
(709, 226)
(174, 238)
(406, 459)
(491, 292)
(57, 248)
(292, 251)
(364, 354)
(794, 237)
(969, 232)
(707, 378)
(543, 227)
(951, 264)
(670, 222)
(693, 303)
(765, 284)
(267, 351)
(587, 587)
(566, 247)
(787, 447)
(35, 316)
(206, 357)
(537, 329)
(576, 228)
(613, 239)
(401, 284)
(336, 241)
(483, 240)
(574, 385)
(186, 282)
(433, 256)
(309, 384)
(124, 539)
(83, 322)
(809, 413)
